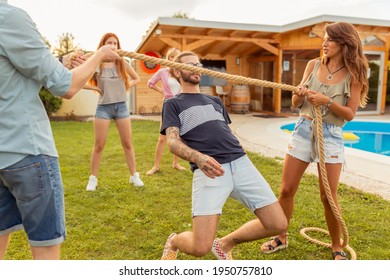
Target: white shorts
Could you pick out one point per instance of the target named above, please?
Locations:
(241, 181)
(300, 145)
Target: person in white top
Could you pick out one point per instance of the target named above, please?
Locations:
(112, 80)
(170, 88)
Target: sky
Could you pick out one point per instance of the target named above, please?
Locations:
(88, 20)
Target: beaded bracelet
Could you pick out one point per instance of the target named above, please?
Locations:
(330, 103)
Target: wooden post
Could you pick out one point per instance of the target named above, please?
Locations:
(385, 75)
(278, 76)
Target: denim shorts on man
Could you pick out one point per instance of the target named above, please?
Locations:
(300, 143)
(241, 181)
(112, 111)
(31, 197)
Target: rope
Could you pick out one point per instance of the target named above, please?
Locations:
(256, 82)
(232, 78)
(335, 210)
(328, 245)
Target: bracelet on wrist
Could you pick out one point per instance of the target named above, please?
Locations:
(330, 103)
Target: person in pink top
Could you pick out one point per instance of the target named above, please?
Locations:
(170, 88)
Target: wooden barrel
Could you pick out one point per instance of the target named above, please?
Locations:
(207, 90)
(240, 98)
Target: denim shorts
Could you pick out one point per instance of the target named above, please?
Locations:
(112, 111)
(241, 181)
(31, 197)
(300, 143)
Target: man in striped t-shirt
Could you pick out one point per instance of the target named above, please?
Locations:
(196, 126)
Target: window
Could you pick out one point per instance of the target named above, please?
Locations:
(214, 65)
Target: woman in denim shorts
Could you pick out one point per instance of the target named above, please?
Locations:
(112, 80)
(336, 83)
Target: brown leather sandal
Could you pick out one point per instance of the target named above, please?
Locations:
(271, 248)
(340, 253)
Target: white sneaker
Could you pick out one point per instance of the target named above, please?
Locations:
(136, 180)
(92, 183)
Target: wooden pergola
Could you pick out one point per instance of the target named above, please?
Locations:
(258, 51)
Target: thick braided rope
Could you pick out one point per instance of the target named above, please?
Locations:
(324, 177)
(228, 77)
(250, 81)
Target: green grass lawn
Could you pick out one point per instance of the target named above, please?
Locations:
(122, 222)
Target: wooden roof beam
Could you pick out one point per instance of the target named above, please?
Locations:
(171, 43)
(208, 49)
(263, 59)
(194, 45)
(269, 48)
(207, 31)
(378, 36)
(254, 35)
(227, 50)
(218, 38)
(183, 30)
(230, 33)
(249, 51)
(318, 29)
(364, 28)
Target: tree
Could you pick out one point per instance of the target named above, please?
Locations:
(181, 14)
(46, 42)
(178, 14)
(66, 45)
(51, 103)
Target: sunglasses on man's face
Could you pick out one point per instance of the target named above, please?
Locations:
(200, 65)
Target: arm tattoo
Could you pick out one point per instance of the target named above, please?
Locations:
(236, 240)
(177, 147)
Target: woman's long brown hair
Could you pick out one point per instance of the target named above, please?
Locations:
(355, 61)
(120, 64)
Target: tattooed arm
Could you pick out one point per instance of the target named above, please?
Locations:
(209, 166)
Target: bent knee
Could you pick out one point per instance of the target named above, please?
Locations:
(278, 225)
(98, 148)
(202, 250)
(127, 146)
(281, 226)
(161, 140)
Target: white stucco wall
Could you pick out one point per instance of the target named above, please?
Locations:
(82, 104)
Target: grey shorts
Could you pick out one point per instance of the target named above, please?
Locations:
(241, 181)
(300, 144)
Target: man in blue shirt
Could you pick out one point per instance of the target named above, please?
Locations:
(31, 191)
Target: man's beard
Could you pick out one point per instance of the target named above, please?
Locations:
(190, 77)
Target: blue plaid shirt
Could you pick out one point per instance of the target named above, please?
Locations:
(26, 64)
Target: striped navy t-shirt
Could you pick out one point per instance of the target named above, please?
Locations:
(203, 124)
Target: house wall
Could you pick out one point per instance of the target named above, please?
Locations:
(82, 104)
(300, 39)
(147, 100)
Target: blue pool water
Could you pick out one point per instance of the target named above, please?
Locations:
(374, 137)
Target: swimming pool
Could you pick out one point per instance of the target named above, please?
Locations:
(368, 136)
